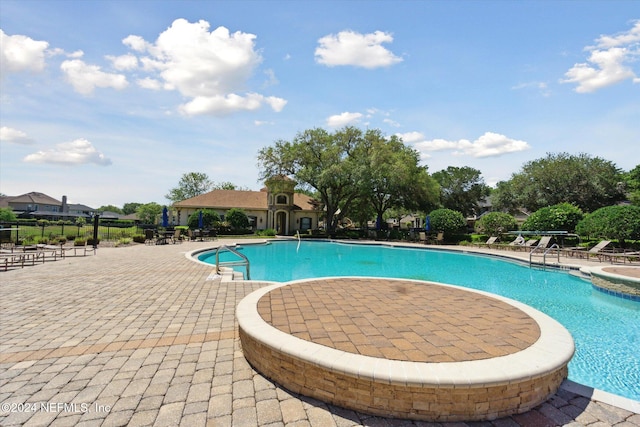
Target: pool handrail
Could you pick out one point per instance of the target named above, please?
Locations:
(245, 261)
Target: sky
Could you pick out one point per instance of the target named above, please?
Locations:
(111, 102)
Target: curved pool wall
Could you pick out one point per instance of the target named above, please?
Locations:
(605, 327)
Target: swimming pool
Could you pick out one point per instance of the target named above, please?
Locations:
(606, 329)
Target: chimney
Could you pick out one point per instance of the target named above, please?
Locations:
(65, 207)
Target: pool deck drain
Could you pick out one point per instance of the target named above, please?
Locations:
(402, 348)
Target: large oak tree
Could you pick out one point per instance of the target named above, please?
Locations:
(348, 168)
(584, 181)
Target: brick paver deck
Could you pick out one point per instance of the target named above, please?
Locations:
(399, 320)
(143, 337)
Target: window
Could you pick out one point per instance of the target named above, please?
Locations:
(305, 223)
(281, 199)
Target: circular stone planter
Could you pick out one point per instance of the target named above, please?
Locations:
(406, 349)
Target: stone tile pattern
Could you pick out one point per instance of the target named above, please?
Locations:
(399, 320)
(129, 293)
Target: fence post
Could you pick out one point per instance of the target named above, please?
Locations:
(96, 220)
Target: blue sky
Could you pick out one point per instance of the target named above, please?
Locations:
(110, 102)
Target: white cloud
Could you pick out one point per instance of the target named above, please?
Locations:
(85, 78)
(15, 136)
(149, 83)
(21, 53)
(343, 119)
(77, 152)
(227, 104)
(209, 67)
(360, 50)
(411, 137)
(124, 62)
(488, 145)
(136, 43)
(608, 62)
(542, 87)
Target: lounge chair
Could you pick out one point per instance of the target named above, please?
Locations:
(633, 256)
(523, 246)
(600, 251)
(422, 237)
(490, 241)
(177, 238)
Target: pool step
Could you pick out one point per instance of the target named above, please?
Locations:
(580, 274)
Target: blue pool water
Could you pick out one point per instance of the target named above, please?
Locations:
(606, 328)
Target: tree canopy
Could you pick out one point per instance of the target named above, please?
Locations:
(191, 184)
(391, 176)
(496, 223)
(461, 189)
(350, 167)
(584, 181)
(148, 213)
(632, 180)
(7, 214)
(612, 222)
(447, 220)
(560, 217)
(131, 207)
(237, 219)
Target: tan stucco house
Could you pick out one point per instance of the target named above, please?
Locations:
(276, 206)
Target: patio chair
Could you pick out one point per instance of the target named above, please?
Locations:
(149, 237)
(177, 238)
(439, 238)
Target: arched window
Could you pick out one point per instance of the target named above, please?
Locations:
(281, 199)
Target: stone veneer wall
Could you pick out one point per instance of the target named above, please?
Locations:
(619, 285)
(431, 403)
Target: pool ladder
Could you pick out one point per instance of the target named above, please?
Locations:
(244, 260)
(544, 255)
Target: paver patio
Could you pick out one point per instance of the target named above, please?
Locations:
(141, 336)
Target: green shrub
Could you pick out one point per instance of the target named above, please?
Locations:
(79, 241)
(560, 217)
(210, 219)
(612, 222)
(495, 223)
(447, 220)
(139, 238)
(269, 232)
(91, 241)
(237, 219)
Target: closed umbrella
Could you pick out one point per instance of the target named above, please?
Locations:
(200, 221)
(165, 217)
(427, 223)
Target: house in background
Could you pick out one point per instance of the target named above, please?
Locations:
(277, 206)
(41, 206)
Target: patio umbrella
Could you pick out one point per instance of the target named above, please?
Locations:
(200, 221)
(427, 223)
(165, 217)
